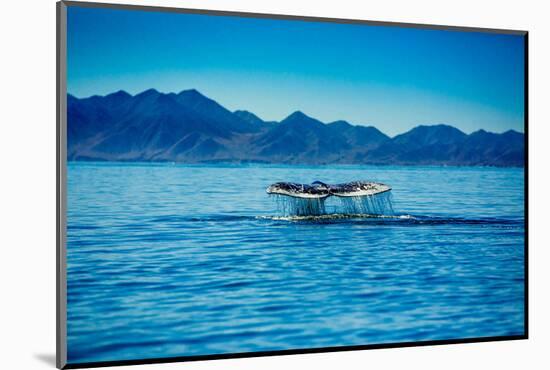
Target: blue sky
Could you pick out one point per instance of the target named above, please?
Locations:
(389, 77)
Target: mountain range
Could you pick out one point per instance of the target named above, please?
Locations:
(189, 127)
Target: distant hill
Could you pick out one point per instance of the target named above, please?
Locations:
(248, 117)
(190, 127)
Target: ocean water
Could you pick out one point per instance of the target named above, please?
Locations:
(179, 260)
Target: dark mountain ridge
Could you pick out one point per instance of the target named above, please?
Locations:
(190, 127)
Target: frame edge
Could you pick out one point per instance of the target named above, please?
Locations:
(231, 13)
(61, 125)
(526, 183)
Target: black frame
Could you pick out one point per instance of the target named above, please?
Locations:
(61, 95)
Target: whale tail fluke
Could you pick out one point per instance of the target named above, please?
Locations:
(356, 197)
(318, 189)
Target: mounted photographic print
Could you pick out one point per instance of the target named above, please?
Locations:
(237, 184)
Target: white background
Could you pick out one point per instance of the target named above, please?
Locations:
(27, 154)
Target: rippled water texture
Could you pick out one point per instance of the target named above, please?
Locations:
(175, 260)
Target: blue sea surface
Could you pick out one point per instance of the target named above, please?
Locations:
(180, 260)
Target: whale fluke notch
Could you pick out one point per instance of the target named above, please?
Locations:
(320, 190)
